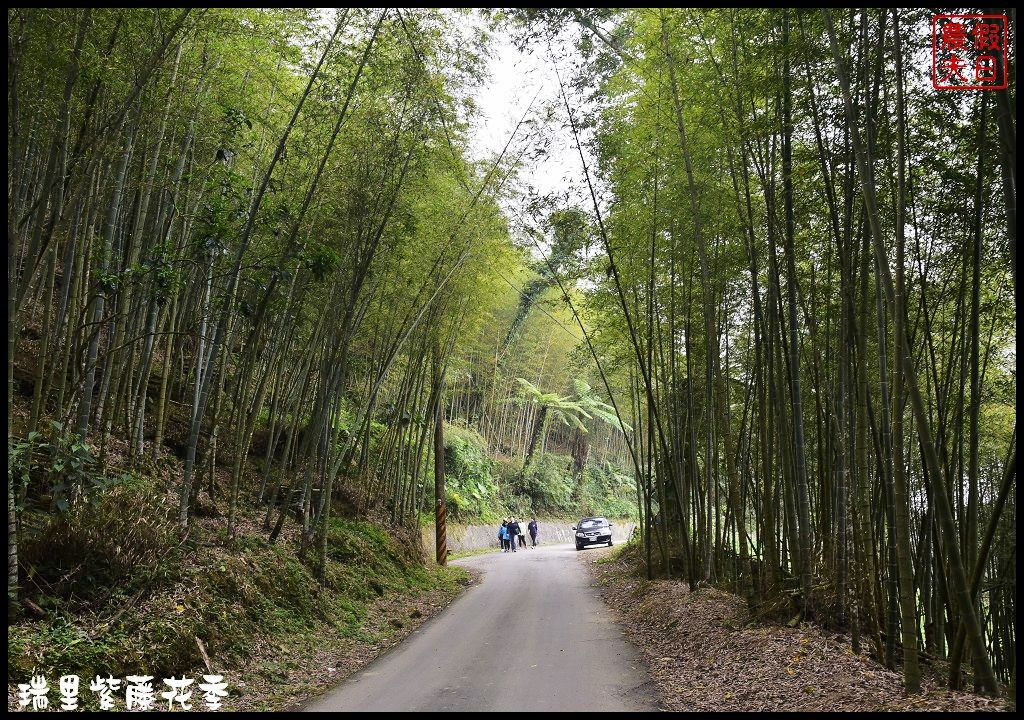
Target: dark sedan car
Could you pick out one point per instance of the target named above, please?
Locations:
(593, 531)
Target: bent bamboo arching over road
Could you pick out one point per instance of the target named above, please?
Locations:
(547, 359)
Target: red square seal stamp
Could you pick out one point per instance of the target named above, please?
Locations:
(969, 52)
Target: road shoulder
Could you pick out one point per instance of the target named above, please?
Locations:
(315, 668)
(595, 561)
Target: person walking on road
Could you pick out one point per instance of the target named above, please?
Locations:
(533, 532)
(514, 532)
(503, 537)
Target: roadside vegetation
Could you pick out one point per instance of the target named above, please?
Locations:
(126, 595)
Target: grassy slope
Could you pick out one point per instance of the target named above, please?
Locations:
(265, 621)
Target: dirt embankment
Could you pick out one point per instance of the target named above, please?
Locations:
(706, 653)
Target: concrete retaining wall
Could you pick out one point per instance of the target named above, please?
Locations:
(462, 538)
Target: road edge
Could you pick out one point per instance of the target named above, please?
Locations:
(413, 625)
(592, 567)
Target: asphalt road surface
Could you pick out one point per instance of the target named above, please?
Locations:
(533, 635)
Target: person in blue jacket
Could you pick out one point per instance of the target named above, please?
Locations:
(503, 536)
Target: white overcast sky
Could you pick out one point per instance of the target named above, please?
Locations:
(515, 79)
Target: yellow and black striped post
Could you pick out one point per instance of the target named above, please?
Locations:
(440, 511)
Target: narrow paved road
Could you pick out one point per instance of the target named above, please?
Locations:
(532, 635)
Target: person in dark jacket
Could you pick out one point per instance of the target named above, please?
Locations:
(533, 531)
(514, 533)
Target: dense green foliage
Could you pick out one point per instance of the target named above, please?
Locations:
(483, 489)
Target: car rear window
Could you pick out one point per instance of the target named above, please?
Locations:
(595, 523)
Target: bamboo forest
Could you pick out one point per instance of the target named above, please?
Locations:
(316, 316)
